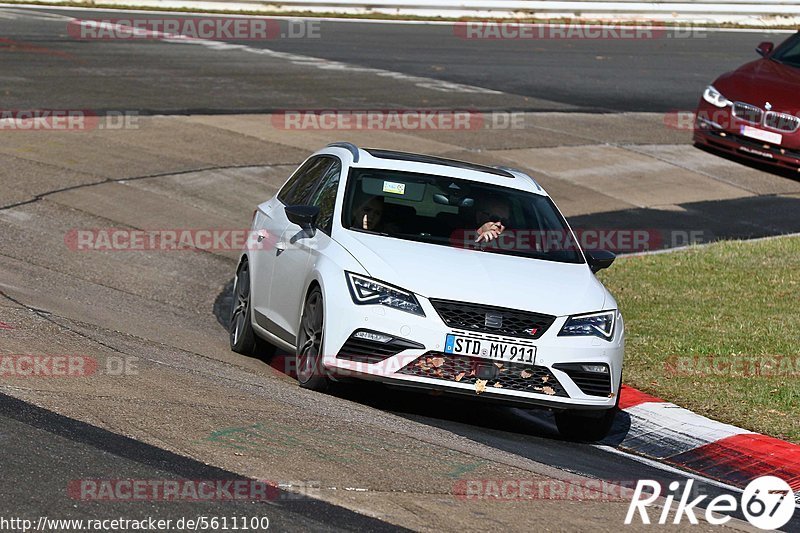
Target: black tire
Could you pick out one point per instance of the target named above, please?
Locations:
(585, 426)
(310, 372)
(241, 335)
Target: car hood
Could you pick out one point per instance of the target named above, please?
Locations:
(436, 271)
(763, 81)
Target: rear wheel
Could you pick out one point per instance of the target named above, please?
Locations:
(310, 372)
(242, 337)
(586, 426)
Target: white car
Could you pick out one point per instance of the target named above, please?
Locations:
(435, 274)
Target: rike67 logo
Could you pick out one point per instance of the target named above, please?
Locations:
(767, 502)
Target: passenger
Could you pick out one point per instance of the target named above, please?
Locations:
(368, 214)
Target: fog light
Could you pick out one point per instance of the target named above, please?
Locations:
(597, 369)
(370, 336)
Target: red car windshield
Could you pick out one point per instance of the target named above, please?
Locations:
(789, 52)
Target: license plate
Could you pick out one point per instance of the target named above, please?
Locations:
(502, 351)
(761, 135)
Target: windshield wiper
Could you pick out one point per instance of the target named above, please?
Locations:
(421, 237)
(487, 247)
(533, 254)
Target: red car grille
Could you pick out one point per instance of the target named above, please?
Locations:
(781, 121)
(747, 112)
(771, 119)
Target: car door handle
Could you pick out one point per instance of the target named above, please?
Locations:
(280, 246)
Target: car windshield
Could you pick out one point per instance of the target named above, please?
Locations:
(789, 52)
(449, 212)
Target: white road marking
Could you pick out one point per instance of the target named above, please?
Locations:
(14, 14)
(326, 64)
(297, 59)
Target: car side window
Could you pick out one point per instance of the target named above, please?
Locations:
(325, 197)
(298, 189)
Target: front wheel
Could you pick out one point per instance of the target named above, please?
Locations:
(585, 426)
(242, 337)
(310, 372)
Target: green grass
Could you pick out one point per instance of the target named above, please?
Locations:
(729, 302)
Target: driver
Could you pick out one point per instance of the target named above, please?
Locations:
(492, 217)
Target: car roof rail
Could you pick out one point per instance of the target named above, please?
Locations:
(520, 174)
(435, 160)
(352, 148)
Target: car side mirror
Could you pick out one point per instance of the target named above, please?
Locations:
(304, 216)
(764, 49)
(599, 259)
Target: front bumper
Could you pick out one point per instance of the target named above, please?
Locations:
(549, 381)
(719, 130)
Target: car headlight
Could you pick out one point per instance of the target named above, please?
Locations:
(596, 324)
(715, 98)
(368, 291)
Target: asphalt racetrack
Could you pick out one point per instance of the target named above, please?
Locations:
(169, 400)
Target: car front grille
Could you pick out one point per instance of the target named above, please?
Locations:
(498, 375)
(369, 351)
(781, 121)
(590, 383)
(489, 319)
(771, 119)
(747, 112)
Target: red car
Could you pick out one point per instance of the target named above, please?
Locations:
(754, 111)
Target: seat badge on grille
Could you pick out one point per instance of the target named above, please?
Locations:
(767, 106)
(493, 320)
